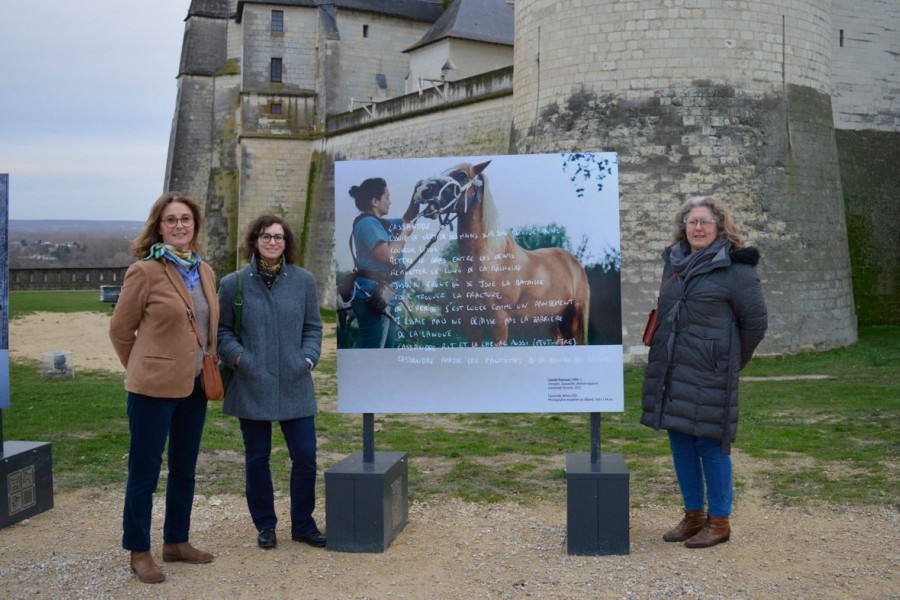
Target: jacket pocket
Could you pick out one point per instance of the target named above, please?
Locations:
(709, 341)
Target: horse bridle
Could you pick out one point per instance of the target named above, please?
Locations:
(446, 212)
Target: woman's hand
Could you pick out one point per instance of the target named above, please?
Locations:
(412, 210)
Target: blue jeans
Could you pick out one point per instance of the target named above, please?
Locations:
(696, 460)
(151, 421)
(375, 331)
(300, 436)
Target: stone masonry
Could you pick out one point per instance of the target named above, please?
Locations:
(728, 98)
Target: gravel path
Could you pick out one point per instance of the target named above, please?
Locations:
(451, 549)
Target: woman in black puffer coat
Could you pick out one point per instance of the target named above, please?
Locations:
(712, 316)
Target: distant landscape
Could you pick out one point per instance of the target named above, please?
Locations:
(70, 243)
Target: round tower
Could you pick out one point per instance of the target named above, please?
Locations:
(731, 100)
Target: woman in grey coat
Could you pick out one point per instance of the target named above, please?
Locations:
(712, 316)
(279, 345)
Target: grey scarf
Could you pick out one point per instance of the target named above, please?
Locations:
(686, 263)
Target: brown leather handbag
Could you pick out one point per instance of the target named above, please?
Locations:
(650, 327)
(210, 378)
(653, 317)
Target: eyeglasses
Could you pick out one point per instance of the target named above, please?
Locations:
(172, 222)
(704, 223)
(268, 237)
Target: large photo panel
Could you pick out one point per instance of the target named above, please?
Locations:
(504, 295)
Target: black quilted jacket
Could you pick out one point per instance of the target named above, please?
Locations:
(691, 381)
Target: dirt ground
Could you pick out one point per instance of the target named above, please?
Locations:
(449, 549)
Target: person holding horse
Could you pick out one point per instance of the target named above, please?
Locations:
(378, 257)
(712, 318)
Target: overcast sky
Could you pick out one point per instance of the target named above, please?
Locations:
(87, 95)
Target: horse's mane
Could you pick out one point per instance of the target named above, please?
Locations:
(489, 220)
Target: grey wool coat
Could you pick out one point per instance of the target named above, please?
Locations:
(280, 328)
(709, 326)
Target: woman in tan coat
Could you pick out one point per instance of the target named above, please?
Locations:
(166, 293)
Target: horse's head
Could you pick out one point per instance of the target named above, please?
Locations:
(453, 191)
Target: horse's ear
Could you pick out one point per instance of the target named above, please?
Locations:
(477, 169)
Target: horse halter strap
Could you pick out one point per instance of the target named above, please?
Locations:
(446, 213)
(477, 183)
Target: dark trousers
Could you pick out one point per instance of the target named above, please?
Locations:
(300, 436)
(151, 422)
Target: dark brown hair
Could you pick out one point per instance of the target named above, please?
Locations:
(259, 226)
(363, 193)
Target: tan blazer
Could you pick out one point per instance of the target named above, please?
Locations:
(151, 330)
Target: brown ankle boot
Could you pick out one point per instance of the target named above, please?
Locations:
(692, 523)
(146, 569)
(184, 552)
(716, 531)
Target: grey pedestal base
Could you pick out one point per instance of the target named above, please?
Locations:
(597, 505)
(366, 504)
(26, 481)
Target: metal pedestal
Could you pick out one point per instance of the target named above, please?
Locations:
(366, 501)
(26, 481)
(597, 504)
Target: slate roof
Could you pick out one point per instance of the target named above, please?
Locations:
(416, 10)
(209, 8)
(490, 21)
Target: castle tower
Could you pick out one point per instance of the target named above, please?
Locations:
(202, 156)
(256, 83)
(731, 99)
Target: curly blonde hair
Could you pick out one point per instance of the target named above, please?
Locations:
(725, 226)
(150, 235)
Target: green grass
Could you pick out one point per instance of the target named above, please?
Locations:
(804, 442)
(23, 303)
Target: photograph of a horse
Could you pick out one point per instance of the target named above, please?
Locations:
(502, 284)
(510, 299)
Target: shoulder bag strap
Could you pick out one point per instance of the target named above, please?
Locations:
(238, 303)
(667, 282)
(193, 321)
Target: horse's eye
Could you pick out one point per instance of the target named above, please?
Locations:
(460, 177)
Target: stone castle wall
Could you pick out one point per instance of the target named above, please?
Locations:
(865, 55)
(65, 278)
(733, 100)
(741, 112)
(866, 99)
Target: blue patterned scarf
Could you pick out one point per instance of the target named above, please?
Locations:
(186, 262)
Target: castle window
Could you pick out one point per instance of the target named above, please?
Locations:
(275, 108)
(278, 20)
(842, 38)
(365, 31)
(275, 70)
